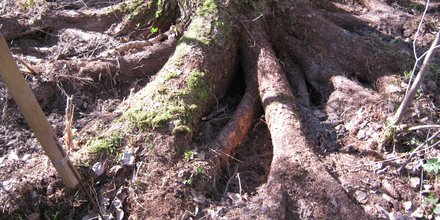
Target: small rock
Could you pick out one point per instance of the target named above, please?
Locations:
(414, 182)
(183, 174)
(427, 187)
(49, 190)
(418, 213)
(8, 184)
(200, 200)
(361, 134)
(25, 157)
(98, 168)
(407, 205)
(13, 156)
(361, 196)
(236, 198)
(127, 159)
(393, 89)
(397, 216)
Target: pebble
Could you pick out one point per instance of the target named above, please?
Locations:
(361, 196)
(418, 213)
(414, 182)
(387, 198)
(127, 159)
(407, 205)
(98, 168)
(200, 200)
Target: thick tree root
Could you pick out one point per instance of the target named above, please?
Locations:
(237, 129)
(120, 69)
(134, 19)
(324, 49)
(233, 134)
(296, 173)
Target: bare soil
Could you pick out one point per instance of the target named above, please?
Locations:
(73, 58)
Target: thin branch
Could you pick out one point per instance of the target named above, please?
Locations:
(416, 64)
(423, 127)
(419, 79)
(418, 29)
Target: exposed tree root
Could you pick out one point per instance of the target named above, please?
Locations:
(135, 19)
(237, 128)
(295, 170)
(122, 68)
(234, 133)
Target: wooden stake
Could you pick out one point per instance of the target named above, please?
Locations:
(34, 116)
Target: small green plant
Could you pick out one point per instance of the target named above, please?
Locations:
(432, 165)
(433, 202)
(19, 216)
(188, 181)
(140, 185)
(172, 75)
(389, 130)
(30, 4)
(414, 141)
(56, 215)
(407, 75)
(189, 155)
(154, 30)
(200, 170)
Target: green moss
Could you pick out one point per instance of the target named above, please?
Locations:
(139, 12)
(198, 33)
(125, 8)
(159, 8)
(107, 143)
(223, 27)
(182, 129)
(208, 7)
(172, 75)
(196, 82)
(160, 106)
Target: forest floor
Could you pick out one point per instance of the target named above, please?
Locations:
(31, 189)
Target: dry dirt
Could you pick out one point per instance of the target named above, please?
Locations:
(31, 189)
